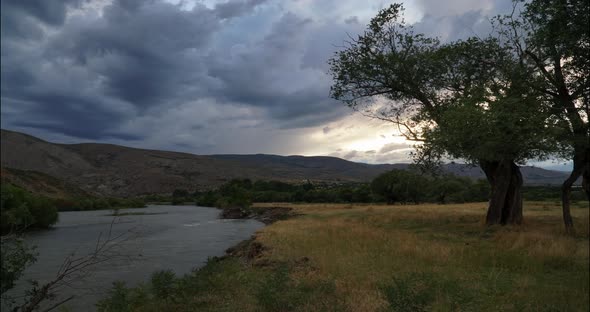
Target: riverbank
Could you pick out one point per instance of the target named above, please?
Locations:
(267, 214)
(399, 258)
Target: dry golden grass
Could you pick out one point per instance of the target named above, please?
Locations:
(363, 247)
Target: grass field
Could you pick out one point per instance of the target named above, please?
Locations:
(393, 258)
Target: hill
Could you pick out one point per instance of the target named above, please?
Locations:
(42, 184)
(115, 170)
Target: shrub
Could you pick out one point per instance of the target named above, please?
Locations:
(117, 299)
(163, 283)
(20, 209)
(15, 256)
(208, 199)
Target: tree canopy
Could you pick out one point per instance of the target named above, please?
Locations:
(468, 99)
(552, 40)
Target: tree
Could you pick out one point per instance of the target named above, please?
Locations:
(21, 209)
(441, 95)
(552, 39)
(500, 127)
(15, 256)
(400, 186)
(446, 186)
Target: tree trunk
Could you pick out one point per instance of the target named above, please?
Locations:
(581, 168)
(505, 205)
(586, 183)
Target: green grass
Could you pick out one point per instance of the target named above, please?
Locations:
(396, 258)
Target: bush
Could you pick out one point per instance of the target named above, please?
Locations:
(400, 186)
(21, 209)
(117, 299)
(208, 199)
(163, 283)
(15, 256)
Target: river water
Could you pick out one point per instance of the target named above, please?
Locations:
(179, 238)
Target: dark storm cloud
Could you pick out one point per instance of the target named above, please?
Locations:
(138, 54)
(145, 54)
(285, 72)
(49, 12)
(235, 8)
(76, 116)
(100, 70)
(23, 19)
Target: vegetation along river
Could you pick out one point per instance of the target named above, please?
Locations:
(179, 238)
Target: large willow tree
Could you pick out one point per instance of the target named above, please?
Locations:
(466, 99)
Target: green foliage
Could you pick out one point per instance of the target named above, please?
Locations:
(556, 35)
(407, 186)
(417, 291)
(467, 99)
(207, 199)
(271, 295)
(551, 193)
(500, 125)
(450, 188)
(21, 210)
(272, 196)
(234, 195)
(179, 196)
(15, 256)
(163, 283)
(101, 204)
(228, 284)
(400, 186)
(396, 186)
(117, 299)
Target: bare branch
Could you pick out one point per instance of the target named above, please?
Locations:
(77, 268)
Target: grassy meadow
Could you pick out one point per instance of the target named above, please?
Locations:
(343, 257)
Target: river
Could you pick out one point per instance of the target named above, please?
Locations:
(179, 238)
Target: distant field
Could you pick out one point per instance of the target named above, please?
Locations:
(395, 258)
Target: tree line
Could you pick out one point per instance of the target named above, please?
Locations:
(393, 187)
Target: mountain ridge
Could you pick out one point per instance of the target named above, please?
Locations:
(117, 170)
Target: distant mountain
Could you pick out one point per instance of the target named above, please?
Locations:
(123, 171)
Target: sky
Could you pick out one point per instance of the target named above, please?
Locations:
(205, 77)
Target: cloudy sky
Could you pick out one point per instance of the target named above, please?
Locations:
(237, 76)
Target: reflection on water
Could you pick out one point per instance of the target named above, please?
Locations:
(179, 238)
